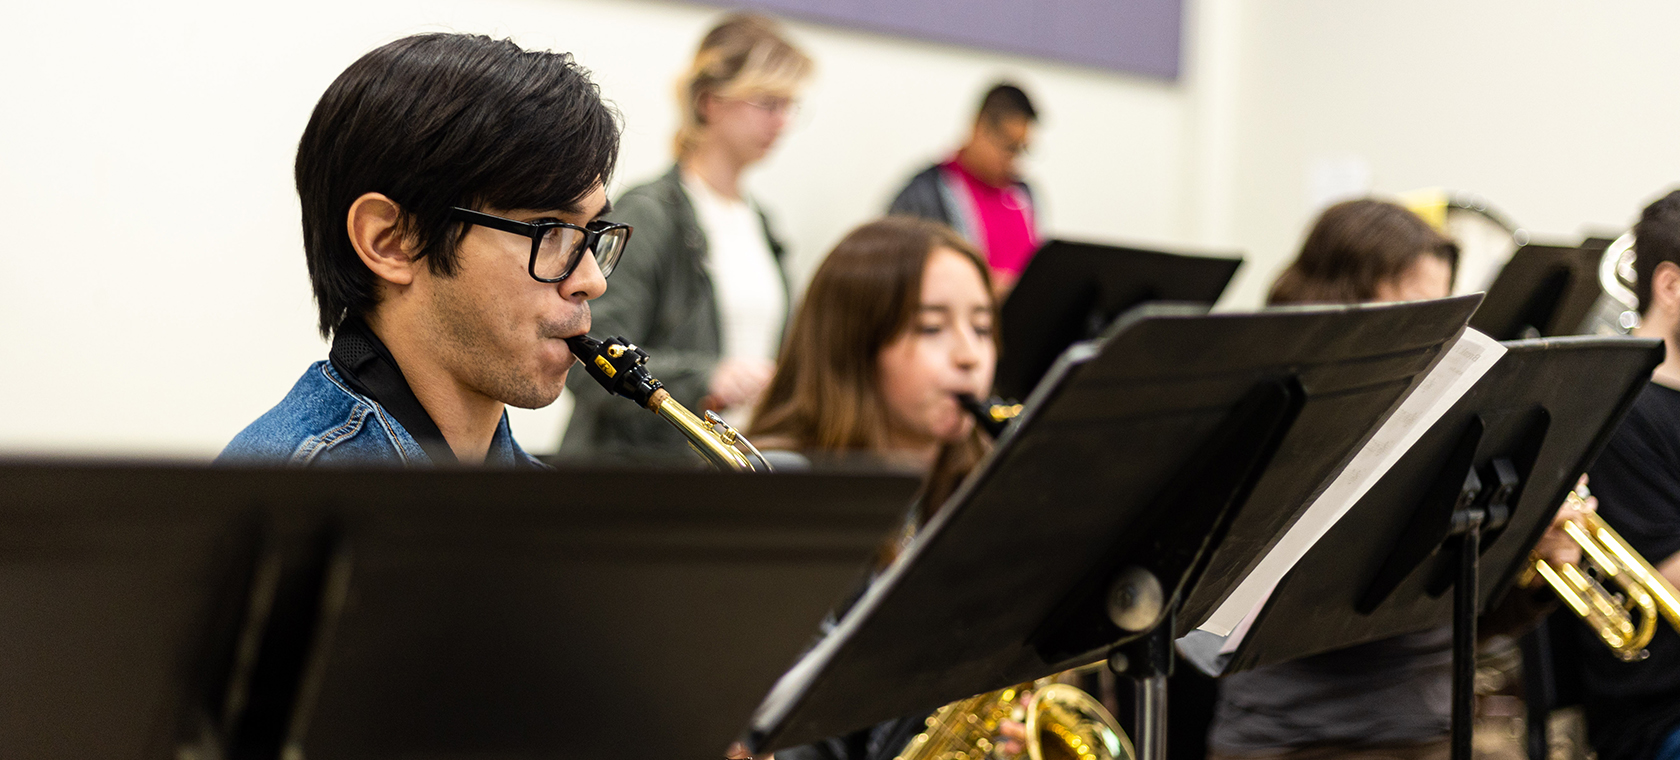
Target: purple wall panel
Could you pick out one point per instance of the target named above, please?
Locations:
(1135, 36)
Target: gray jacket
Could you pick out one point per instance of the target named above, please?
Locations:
(932, 194)
(660, 297)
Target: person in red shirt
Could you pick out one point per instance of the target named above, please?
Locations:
(979, 192)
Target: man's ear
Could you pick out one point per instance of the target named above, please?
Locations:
(376, 235)
(1665, 286)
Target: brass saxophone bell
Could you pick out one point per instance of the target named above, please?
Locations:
(1063, 723)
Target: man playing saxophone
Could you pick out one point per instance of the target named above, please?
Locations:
(452, 189)
(1633, 708)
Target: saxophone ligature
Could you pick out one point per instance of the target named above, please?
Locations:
(619, 366)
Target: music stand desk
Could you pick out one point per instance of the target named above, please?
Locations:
(1072, 291)
(1137, 450)
(1390, 564)
(121, 598)
(1547, 288)
(399, 613)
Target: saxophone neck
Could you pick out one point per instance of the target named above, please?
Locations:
(714, 439)
(619, 366)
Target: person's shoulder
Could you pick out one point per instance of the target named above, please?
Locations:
(321, 420)
(929, 174)
(662, 189)
(1658, 397)
(658, 211)
(1655, 413)
(920, 195)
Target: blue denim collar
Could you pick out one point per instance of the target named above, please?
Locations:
(367, 366)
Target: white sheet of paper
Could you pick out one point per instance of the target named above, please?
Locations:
(1236, 638)
(1469, 357)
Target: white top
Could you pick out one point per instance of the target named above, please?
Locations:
(746, 280)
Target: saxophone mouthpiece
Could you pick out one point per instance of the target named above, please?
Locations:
(617, 364)
(584, 347)
(993, 415)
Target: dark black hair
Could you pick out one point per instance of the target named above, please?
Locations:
(440, 120)
(1656, 238)
(1353, 248)
(1005, 101)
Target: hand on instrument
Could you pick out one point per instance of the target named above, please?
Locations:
(1557, 547)
(737, 383)
(1012, 739)
(738, 751)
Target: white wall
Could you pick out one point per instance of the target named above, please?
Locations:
(1561, 113)
(153, 298)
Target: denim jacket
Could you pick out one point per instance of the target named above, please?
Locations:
(322, 421)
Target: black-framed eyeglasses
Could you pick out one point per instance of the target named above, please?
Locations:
(557, 247)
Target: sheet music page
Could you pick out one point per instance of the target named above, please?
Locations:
(1235, 638)
(1470, 357)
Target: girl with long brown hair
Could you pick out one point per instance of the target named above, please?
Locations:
(897, 321)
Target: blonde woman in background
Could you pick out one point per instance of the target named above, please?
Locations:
(708, 295)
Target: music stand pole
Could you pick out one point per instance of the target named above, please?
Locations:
(1464, 631)
(1148, 662)
(1464, 637)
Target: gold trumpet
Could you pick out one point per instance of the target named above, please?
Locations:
(1063, 723)
(1624, 621)
(618, 365)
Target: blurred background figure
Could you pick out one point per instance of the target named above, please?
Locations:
(1633, 708)
(979, 192)
(1388, 698)
(707, 294)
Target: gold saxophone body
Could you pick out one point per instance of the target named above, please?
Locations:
(619, 366)
(1063, 723)
(1624, 621)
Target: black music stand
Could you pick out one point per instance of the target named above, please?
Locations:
(391, 613)
(1124, 474)
(1476, 491)
(121, 599)
(1073, 291)
(1543, 291)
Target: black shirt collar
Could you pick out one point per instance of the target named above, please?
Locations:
(364, 362)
